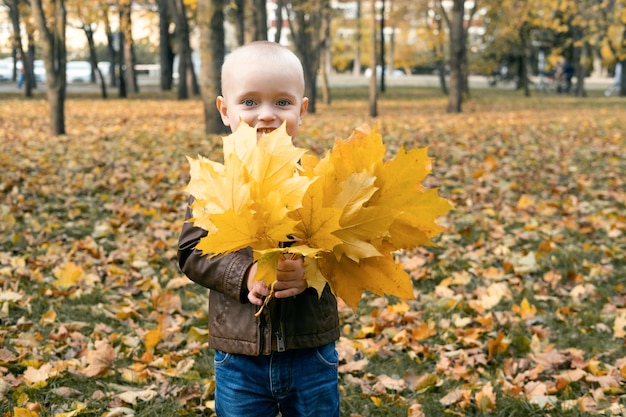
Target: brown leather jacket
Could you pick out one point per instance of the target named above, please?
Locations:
(304, 321)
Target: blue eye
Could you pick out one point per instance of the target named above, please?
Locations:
(283, 103)
(248, 102)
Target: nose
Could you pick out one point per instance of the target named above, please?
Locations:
(266, 112)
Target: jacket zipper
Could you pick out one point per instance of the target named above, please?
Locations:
(280, 342)
(261, 333)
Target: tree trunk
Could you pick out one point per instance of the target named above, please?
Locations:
(186, 78)
(305, 23)
(622, 83)
(439, 53)
(249, 22)
(326, 60)
(391, 64)
(523, 67)
(96, 74)
(52, 39)
(581, 69)
(457, 53)
(110, 47)
(121, 60)
(372, 88)
(166, 54)
(31, 81)
(356, 66)
(26, 71)
(93, 59)
(212, 52)
(260, 14)
(464, 63)
(279, 21)
(128, 49)
(240, 21)
(382, 47)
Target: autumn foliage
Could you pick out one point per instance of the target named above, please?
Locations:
(345, 213)
(519, 307)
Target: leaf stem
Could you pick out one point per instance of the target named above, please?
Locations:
(267, 300)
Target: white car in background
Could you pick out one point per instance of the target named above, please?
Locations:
(78, 72)
(40, 71)
(6, 69)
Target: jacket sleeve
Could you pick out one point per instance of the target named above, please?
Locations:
(222, 273)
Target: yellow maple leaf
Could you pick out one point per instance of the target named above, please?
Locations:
(380, 275)
(362, 150)
(525, 309)
(68, 275)
(317, 223)
(347, 212)
(247, 200)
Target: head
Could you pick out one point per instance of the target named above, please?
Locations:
(263, 85)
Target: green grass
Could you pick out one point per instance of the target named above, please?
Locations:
(108, 197)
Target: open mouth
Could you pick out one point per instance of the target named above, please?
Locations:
(265, 130)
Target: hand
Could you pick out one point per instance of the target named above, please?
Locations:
(257, 290)
(290, 276)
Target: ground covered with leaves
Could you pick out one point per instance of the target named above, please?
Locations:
(519, 311)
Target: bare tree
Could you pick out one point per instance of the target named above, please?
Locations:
(372, 89)
(306, 24)
(279, 21)
(260, 20)
(356, 66)
(166, 52)
(212, 52)
(127, 48)
(325, 59)
(457, 53)
(186, 75)
(20, 54)
(87, 15)
(52, 34)
(238, 8)
(111, 40)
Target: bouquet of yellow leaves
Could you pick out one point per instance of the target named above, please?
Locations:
(345, 213)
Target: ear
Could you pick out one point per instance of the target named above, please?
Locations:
(223, 109)
(303, 107)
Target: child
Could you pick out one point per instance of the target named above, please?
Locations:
(284, 360)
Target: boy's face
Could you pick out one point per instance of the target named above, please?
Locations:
(264, 95)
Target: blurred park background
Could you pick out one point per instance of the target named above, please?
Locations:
(520, 309)
(124, 46)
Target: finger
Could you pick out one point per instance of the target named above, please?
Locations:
(257, 293)
(254, 299)
(289, 270)
(290, 264)
(284, 289)
(291, 292)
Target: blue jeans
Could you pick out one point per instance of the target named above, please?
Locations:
(298, 383)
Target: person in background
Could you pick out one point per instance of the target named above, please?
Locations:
(617, 80)
(21, 72)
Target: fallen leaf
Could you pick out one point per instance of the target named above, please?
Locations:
(99, 360)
